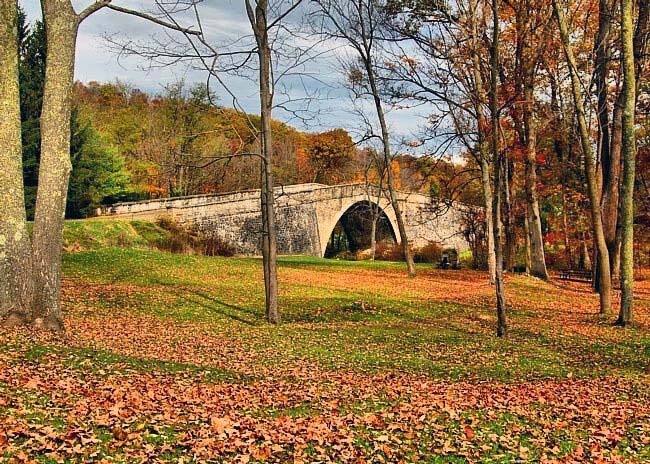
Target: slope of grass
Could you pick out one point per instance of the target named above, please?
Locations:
(168, 356)
(369, 316)
(93, 234)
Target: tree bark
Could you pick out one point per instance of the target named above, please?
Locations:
(537, 259)
(502, 323)
(489, 217)
(509, 216)
(258, 20)
(565, 229)
(611, 168)
(528, 251)
(61, 24)
(604, 276)
(609, 139)
(390, 181)
(373, 237)
(626, 313)
(15, 249)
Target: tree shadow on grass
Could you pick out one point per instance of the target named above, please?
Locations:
(237, 313)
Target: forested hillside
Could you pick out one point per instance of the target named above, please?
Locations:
(182, 142)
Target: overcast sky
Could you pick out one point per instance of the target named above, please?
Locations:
(96, 61)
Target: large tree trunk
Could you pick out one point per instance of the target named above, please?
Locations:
(502, 323)
(626, 314)
(611, 168)
(15, 250)
(61, 25)
(604, 276)
(609, 141)
(537, 259)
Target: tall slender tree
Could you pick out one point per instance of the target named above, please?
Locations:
(626, 314)
(498, 165)
(257, 17)
(359, 24)
(604, 275)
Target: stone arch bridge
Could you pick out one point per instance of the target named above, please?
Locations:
(307, 215)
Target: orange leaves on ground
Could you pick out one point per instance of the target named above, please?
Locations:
(71, 400)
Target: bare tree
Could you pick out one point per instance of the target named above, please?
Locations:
(272, 54)
(358, 23)
(498, 165)
(258, 20)
(604, 274)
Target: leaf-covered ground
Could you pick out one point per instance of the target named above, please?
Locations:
(166, 359)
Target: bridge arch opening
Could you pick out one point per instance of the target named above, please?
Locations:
(352, 233)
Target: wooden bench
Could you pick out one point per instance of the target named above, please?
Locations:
(576, 275)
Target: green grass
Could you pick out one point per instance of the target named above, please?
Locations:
(355, 324)
(93, 234)
(363, 329)
(95, 361)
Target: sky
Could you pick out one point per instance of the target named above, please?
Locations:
(222, 20)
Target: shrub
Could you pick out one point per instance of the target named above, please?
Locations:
(360, 306)
(216, 246)
(179, 239)
(556, 258)
(386, 251)
(430, 253)
(347, 256)
(466, 260)
(187, 241)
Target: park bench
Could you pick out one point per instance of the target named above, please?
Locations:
(576, 275)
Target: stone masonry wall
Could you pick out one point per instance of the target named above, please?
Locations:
(306, 216)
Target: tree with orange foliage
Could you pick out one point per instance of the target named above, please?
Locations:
(331, 156)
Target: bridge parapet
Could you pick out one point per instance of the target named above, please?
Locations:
(306, 216)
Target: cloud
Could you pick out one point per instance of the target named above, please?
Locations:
(223, 21)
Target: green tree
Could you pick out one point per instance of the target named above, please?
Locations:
(31, 68)
(98, 171)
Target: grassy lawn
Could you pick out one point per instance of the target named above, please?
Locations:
(166, 357)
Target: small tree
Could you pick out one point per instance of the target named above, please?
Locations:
(499, 167)
(359, 24)
(331, 155)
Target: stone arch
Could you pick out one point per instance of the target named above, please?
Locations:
(350, 210)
